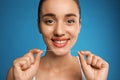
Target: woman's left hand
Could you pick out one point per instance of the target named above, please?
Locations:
(94, 67)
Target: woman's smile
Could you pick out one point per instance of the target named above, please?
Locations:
(60, 42)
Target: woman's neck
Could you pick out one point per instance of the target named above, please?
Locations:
(54, 61)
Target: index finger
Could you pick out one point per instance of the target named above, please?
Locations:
(35, 51)
(86, 53)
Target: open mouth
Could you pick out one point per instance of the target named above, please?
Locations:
(60, 42)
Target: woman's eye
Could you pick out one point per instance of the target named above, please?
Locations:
(49, 22)
(70, 21)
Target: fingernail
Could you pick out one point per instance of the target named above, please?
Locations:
(102, 66)
(38, 50)
(41, 51)
(82, 51)
(78, 52)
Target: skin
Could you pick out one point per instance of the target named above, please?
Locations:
(58, 64)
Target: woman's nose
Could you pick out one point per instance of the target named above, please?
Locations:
(59, 30)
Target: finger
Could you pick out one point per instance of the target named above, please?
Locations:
(89, 59)
(16, 64)
(20, 64)
(105, 65)
(31, 57)
(82, 60)
(99, 63)
(34, 51)
(94, 61)
(86, 53)
(28, 60)
(37, 59)
(25, 62)
(24, 65)
(37, 52)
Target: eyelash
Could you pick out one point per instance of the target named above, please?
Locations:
(51, 21)
(70, 21)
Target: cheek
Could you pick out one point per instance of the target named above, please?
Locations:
(46, 31)
(74, 31)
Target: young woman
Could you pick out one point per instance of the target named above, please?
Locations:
(59, 24)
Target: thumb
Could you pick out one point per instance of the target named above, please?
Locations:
(82, 60)
(36, 53)
(37, 59)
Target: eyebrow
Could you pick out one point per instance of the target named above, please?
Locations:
(53, 15)
(49, 15)
(70, 14)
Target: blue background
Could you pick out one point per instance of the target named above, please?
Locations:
(100, 31)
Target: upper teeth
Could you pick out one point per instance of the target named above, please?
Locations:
(60, 42)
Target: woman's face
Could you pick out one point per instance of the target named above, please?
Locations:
(60, 25)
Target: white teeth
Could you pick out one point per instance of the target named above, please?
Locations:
(61, 42)
(58, 42)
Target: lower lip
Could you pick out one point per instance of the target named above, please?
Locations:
(60, 45)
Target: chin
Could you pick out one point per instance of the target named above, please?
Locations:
(61, 52)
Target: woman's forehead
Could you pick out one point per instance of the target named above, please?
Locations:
(60, 7)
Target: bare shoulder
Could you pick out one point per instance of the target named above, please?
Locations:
(10, 74)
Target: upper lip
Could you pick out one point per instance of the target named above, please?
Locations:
(60, 39)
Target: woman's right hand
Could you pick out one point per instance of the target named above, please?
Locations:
(26, 67)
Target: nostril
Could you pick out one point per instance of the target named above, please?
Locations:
(59, 35)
